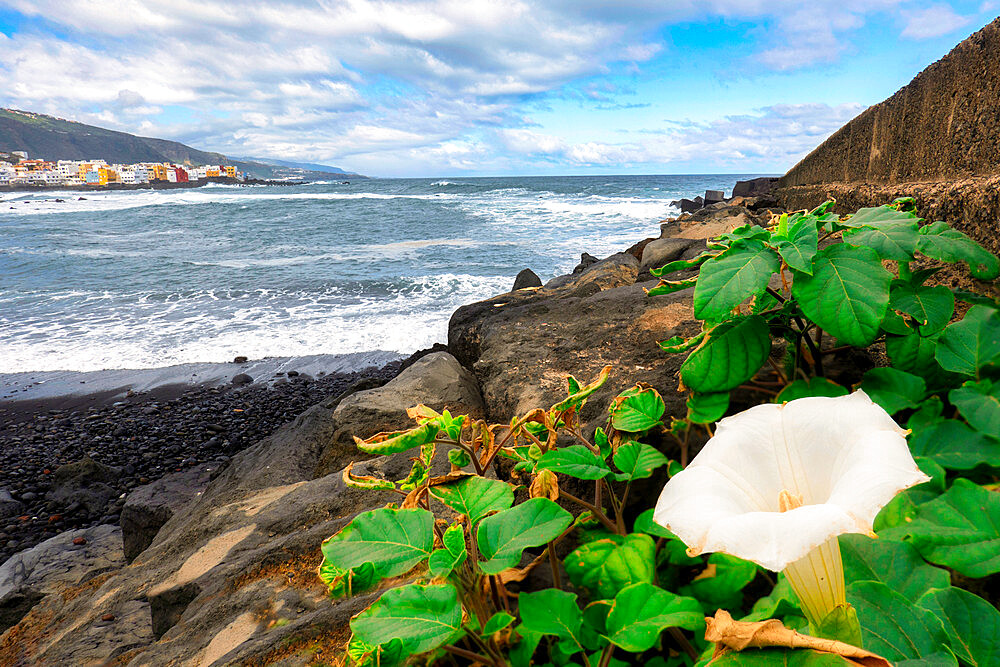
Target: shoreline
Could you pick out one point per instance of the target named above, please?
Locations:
(157, 185)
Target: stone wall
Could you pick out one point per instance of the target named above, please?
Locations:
(945, 124)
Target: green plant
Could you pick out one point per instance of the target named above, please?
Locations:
(478, 544)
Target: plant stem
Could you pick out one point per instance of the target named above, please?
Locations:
(781, 375)
(596, 513)
(683, 642)
(469, 655)
(606, 656)
(762, 390)
(554, 564)
(816, 354)
(775, 294)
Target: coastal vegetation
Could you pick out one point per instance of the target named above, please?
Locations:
(481, 559)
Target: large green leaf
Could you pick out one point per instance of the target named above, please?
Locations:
(575, 461)
(817, 386)
(504, 536)
(392, 540)
(891, 240)
(721, 584)
(443, 561)
(893, 520)
(730, 278)
(729, 355)
(475, 496)
(551, 612)
(707, 408)
(847, 294)
(940, 241)
(637, 460)
(637, 409)
(604, 567)
(979, 403)
(968, 345)
(893, 389)
(781, 657)
(399, 441)
(641, 612)
(877, 216)
(954, 445)
(972, 624)
(896, 564)
(798, 246)
(422, 617)
(914, 353)
(960, 529)
(931, 306)
(892, 626)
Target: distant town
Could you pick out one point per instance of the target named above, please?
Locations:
(16, 169)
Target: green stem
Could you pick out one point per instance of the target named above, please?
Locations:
(684, 643)
(904, 270)
(606, 656)
(596, 513)
(468, 655)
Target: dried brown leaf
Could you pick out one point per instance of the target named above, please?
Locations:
(545, 485)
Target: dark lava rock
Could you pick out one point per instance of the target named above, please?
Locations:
(242, 379)
(586, 260)
(526, 278)
(86, 482)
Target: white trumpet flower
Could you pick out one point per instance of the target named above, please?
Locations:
(777, 484)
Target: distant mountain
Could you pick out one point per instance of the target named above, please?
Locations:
(323, 168)
(51, 138)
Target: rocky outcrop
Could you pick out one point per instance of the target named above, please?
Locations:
(149, 507)
(86, 482)
(943, 124)
(526, 278)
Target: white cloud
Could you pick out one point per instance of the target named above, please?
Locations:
(933, 21)
(372, 80)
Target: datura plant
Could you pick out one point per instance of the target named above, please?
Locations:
(777, 485)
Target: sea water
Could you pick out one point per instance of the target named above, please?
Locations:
(152, 278)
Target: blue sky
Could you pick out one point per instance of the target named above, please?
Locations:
(487, 87)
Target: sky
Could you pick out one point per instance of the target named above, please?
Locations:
(401, 88)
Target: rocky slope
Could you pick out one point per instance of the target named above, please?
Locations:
(230, 576)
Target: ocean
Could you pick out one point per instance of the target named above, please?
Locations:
(147, 279)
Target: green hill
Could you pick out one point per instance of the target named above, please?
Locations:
(51, 138)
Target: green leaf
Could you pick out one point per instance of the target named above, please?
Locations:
(892, 521)
(459, 457)
(520, 655)
(637, 409)
(817, 386)
(399, 441)
(551, 612)
(968, 345)
(979, 403)
(877, 216)
(847, 294)
(496, 623)
(637, 461)
(781, 602)
(896, 564)
(577, 394)
(601, 441)
(606, 566)
(503, 537)
(892, 626)
(729, 356)
(975, 299)
(575, 461)
(893, 389)
(363, 654)
(641, 612)
(954, 445)
(707, 408)
(940, 241)
(799, 245)
(422, 617)
(674, 549)
(841, 624)
(474, 496)
(914, 354)
(683, 264)
(931, 307)
(722, 582)
(341, 582)
(680, 344)
(735, 275)
(392, 540)
(443, 561)
(960, 529)
(780, 657)
(972, 624)
(891, 240)
(671, 286)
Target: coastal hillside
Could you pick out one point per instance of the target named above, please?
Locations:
(51, 138)
(943, 124)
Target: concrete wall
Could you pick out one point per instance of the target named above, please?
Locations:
(944, 124)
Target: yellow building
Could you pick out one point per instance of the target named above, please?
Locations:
(157, 172)
(212, 171)
(230, 171)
